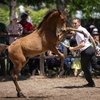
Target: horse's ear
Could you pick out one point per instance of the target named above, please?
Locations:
(59, 11)
(62, 13)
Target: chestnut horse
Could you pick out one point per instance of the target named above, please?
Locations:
(46, 37)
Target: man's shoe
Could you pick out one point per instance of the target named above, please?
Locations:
(89, 85)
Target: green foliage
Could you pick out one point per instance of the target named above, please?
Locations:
(4, 14)
(86, 6)
(37, 15)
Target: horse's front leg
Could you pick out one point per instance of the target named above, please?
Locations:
(61, 55)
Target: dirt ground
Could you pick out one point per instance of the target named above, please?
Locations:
(40, 88)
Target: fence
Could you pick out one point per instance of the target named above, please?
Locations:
(42, 57)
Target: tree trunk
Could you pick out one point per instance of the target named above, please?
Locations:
(12, 8)
(61, 4)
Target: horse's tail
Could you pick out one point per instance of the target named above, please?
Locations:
(3, 47)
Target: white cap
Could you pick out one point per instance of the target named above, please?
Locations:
(92, 26)
(95, 31)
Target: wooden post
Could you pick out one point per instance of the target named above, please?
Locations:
(42, 61)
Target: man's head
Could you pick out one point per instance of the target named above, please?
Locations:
(76, 23)
(24, 16)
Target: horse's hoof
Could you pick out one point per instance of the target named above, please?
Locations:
(61, 74)
(21, 95)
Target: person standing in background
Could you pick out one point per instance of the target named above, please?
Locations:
(96, 37)
(14, 30)
(27, 26)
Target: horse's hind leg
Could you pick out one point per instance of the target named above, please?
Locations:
(15, 72)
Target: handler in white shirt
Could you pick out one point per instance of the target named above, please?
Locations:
(87, 51)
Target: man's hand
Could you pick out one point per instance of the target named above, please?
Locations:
(67, 46)
(71, 48)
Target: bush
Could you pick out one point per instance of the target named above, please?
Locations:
(4, 14)
(37, 15)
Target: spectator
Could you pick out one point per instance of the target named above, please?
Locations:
(52, 63)
(34, 65)
(96, 37)
(87, 51)
(76, 66)
(27, 26)
(91, 27)
(14, 30)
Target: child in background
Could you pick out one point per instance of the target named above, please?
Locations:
(76, 66)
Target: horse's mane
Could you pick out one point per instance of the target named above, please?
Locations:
(46, 16)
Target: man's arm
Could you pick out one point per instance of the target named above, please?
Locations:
(92, 41)
(78, 47)
(86, 34)
(73, 30)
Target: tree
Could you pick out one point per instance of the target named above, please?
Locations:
(61, 4)
(86, 6)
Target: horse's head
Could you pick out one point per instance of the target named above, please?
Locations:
(61, 20)
(52, 25)
(52, 20)
(63, 16)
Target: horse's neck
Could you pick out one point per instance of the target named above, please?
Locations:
(48, 28)
(60, 31)
(50, 24)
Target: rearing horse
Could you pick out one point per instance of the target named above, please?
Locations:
(46, 37)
